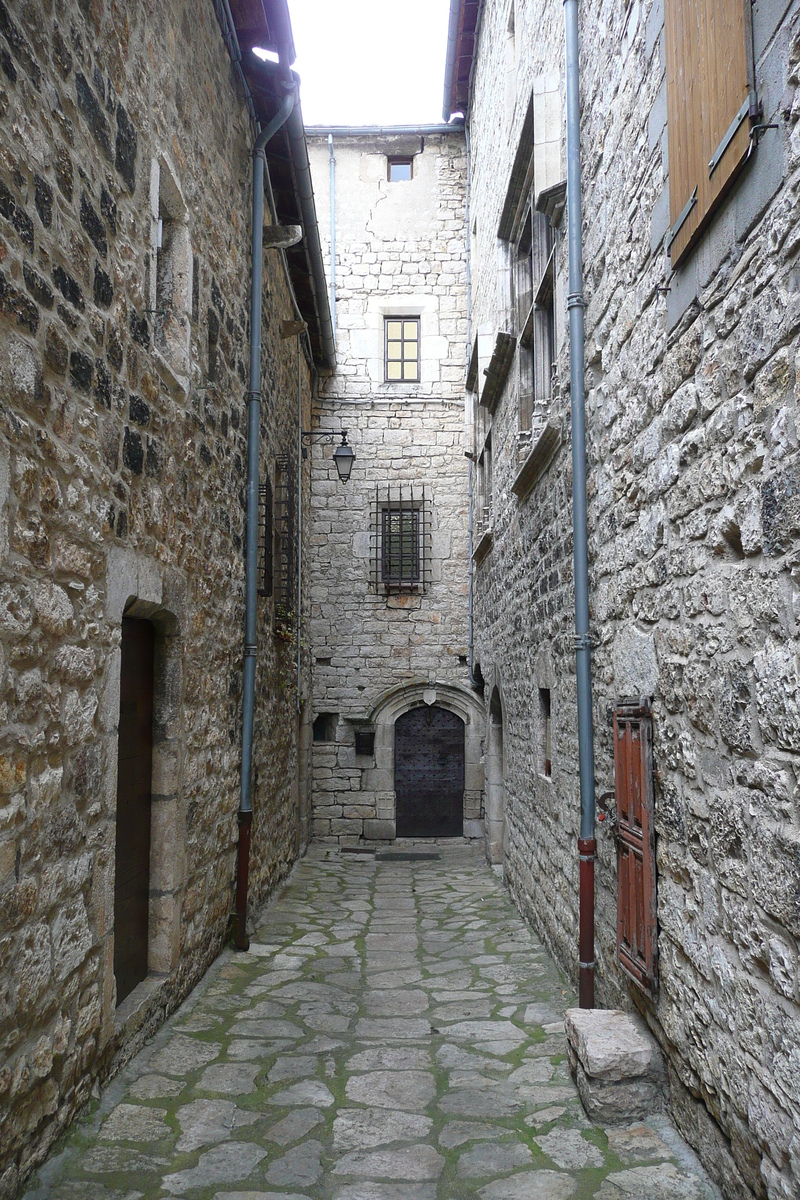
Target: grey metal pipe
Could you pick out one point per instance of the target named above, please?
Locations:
(333, 234)
(305, 191)
(583, 665)
(470, 491)
(251, 530)
(450, 58)
(299, 622)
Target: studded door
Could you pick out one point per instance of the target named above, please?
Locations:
(429, 773)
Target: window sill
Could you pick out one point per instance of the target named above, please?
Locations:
(483, 547)
(496, 373)
(177, 384)
(538, 458)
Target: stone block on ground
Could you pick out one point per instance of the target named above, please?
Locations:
(617, 1064)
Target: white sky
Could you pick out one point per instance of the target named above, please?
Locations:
(370, 62)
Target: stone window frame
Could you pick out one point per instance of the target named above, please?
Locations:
(171, 269)
(527, 260)
(434, 347)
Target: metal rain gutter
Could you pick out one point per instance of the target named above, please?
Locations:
(287, 106)
(305, 192)
(380, 130)
(587, 846)
(450, 59)
(333, 234)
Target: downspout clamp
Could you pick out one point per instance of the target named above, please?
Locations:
(587, 846)
(287, 104)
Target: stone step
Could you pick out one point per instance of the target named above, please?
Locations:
(616, 1063)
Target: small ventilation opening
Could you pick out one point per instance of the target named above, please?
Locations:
(325, 727)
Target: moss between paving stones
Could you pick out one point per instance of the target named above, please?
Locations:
(344, 901)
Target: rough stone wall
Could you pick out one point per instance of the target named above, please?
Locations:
(400, 248)
(122, 459)
(694, 535)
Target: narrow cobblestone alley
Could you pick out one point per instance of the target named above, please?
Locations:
(394, 1033)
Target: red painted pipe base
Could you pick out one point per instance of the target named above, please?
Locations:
(240, 938)
(587, 848)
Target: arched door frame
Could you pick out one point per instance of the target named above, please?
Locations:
(382, 716)
(495, 778)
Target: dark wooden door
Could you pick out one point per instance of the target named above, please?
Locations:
(134, 767)
(429, 773)
(636, 859)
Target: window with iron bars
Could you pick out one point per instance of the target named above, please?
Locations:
(401, 538)
(265, 537)
(285, 543)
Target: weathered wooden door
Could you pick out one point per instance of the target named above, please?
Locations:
(636, 860)
(134, 770)
(429, 773)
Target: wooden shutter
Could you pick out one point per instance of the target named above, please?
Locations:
(710, 105)
(636, 860)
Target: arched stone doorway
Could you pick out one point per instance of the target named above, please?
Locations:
(495, 783)
(379, 781)
(429, 772)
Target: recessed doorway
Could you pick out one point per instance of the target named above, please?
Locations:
(429, 773)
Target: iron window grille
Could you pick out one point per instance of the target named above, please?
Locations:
(265, 536)
(401, 538)
(401, 349)
(285, 535)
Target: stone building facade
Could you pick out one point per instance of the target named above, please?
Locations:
(694, 529)
(124, 287)
(380, 649)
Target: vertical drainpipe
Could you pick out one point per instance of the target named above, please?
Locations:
(241, 939)
(470, 491)
(333, 234)
(299, 625)
(587, 845)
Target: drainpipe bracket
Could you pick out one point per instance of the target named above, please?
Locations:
(583, 641)
(250, 650)
(576, 300)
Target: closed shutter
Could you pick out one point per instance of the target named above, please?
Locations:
(710, 104)
(636, 860)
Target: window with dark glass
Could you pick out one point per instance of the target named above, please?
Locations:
(400, 169)
(402, 349)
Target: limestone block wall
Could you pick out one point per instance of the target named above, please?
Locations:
(694, 534)
(400, 249)
(122, 460)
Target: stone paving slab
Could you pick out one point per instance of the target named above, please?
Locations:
(394, 1033)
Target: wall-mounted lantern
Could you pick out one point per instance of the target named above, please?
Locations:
(343, 456)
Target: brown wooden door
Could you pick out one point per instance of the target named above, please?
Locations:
(134, 770)
(429, 773)
(636, 898)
